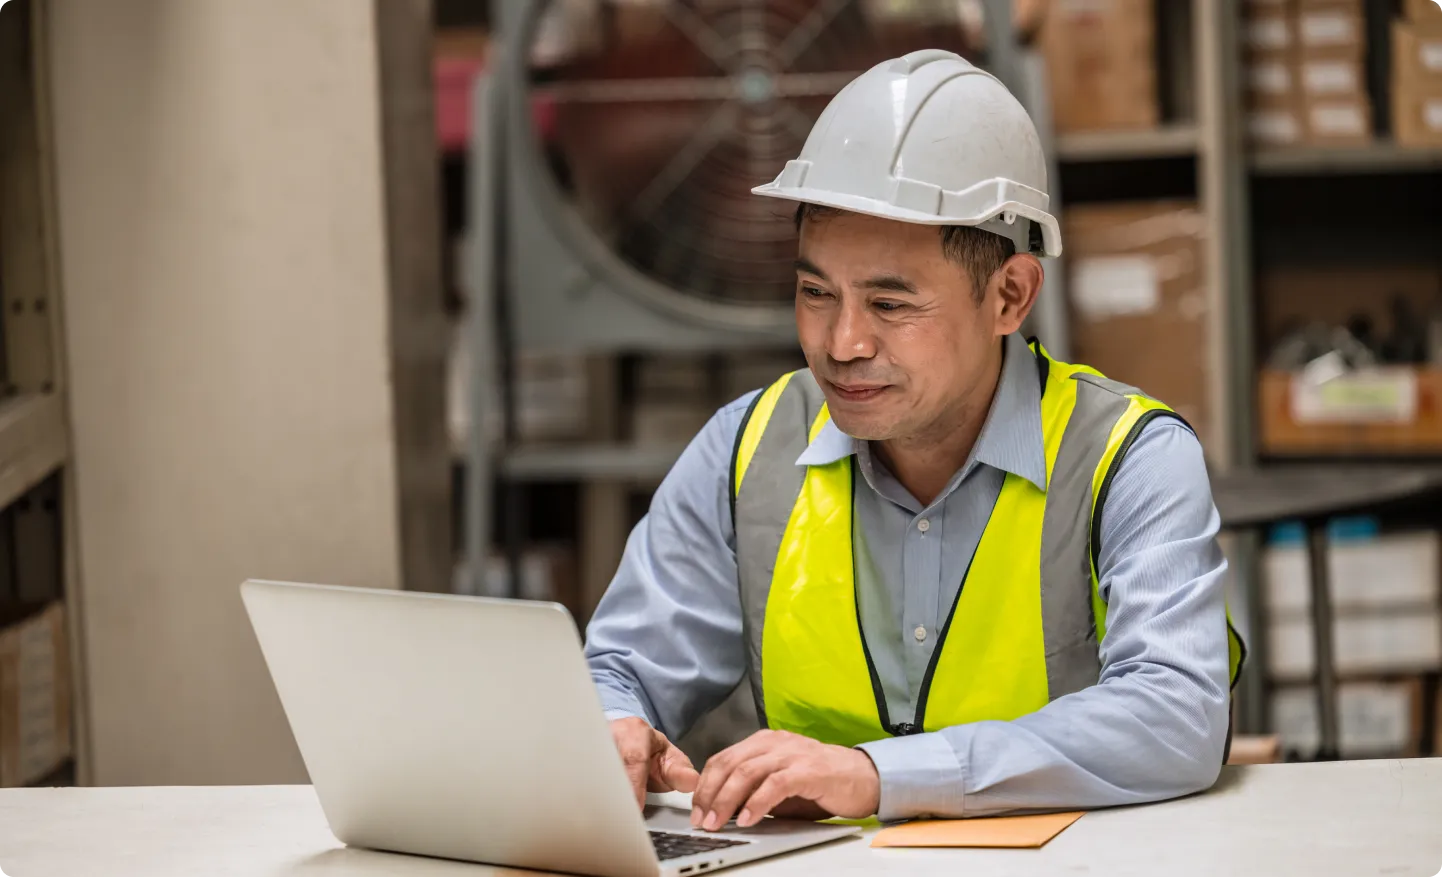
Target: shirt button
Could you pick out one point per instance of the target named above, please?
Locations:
(919, 633)
(923, 525)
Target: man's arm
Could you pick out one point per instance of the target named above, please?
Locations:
(665, 643)
(1156, 725)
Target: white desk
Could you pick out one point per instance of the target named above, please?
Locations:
(1315, 820)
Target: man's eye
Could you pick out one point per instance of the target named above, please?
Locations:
(812, 291)
(889, 306)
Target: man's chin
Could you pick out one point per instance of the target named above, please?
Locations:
(868, 429)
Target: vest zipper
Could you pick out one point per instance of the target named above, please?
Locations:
(876, 692)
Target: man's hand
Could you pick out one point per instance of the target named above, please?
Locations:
(769, 767)
(652, 762)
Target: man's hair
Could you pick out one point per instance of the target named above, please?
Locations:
(979, 252)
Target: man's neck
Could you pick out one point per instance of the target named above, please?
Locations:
(926, 462)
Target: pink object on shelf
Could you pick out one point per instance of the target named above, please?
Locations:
(454, 78)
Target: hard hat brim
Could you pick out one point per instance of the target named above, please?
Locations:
(1051, 234)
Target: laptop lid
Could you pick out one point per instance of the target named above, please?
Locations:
(450, 726)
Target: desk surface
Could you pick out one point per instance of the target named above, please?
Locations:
(1360, 817)
(1259, 497)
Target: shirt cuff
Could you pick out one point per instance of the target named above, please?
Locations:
(626, 713)
(921, 776)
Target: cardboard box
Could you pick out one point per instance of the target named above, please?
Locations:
(1422, 11)
(1137, 291)
(553, 395)
(1343, 121)
(1255, 749)
(1381, 412)
(674, 397)
(1394, 570)
(1417, 84)
(548, 572)
(1323, 78)
(35, 732)
(1375, 719)
(1268, 31)
(1331, 27)
(1101, 60)
(1271, 81)
(668, 423)
(1417, 118)
(1395, 641)
(1330, 294)
(1276, 126)
(1417, 57)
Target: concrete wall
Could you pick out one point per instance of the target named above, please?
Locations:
(222, 239)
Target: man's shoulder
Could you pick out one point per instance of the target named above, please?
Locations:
(1166, 460)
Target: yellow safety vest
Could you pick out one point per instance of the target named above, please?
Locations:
(1027, 622)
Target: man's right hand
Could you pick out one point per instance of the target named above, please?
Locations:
(652, 762)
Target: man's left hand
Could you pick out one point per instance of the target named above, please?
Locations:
(771, 767)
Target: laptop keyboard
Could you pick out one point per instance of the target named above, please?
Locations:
(674, 846)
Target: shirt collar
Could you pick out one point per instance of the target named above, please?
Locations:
(1011, 439)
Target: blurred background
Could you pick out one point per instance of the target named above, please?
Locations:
(431, 293)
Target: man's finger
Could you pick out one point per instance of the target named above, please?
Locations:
(637, 762)
(718, 769)
(740, 783)
(671, 770)
(771, 794)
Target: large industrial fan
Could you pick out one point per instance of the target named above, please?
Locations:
(627, 135)
(616, 145)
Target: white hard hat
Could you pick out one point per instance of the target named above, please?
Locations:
(927, 138)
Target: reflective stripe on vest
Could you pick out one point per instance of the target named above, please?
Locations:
(1026, 624)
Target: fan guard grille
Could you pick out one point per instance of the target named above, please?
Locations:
(657, 117)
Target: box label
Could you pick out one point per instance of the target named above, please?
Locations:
(1338, 120)
(1270, 77)
(1373, 396)
(1114, 286)
(1328, 29)
(1430, 54)
(1277, 126)
(1268, 33)
(1331, 77)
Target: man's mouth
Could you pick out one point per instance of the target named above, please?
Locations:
(858, 392)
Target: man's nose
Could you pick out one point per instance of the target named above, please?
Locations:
(851, 335)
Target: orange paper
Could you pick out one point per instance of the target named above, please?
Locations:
(1017, 832)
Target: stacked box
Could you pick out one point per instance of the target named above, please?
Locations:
(1304, 73)
(35, 736)
(1331, 57)
(1137, 290)
(1101, 59)
(1417, 77)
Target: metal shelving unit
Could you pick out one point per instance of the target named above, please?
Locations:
(1238, 344)
(638, 464)
(1376, 158)
(37, 536)
(1171, 141)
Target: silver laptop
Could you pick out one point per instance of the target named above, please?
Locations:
(468, 728)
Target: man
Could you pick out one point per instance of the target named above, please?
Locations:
(959, 577)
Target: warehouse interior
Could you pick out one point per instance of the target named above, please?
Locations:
(431, 294)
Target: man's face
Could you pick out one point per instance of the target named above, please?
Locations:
(890, 326)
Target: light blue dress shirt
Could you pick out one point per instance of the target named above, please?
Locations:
(666, 642)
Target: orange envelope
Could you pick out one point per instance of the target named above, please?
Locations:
(1018, 832)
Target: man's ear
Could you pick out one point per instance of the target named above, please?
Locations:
(1015, 286)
